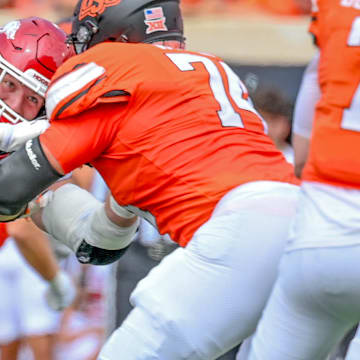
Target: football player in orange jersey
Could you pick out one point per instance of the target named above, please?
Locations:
(315, 300)
(177, 141)
(30, 51)
(308, 95)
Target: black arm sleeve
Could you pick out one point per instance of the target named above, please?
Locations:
(23, 175)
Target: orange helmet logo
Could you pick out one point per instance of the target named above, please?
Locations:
(94, 8)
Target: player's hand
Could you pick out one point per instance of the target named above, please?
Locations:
(12, 137)
(61, 292)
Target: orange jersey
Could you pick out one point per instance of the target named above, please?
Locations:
(334, 149)
(314, 27)
(170, 131)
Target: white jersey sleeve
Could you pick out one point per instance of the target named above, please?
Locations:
(13, 136)
(307, 98)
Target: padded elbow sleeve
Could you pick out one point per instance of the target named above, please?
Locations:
(75, 218)
(23, 175)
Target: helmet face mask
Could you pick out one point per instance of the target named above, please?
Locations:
(131, 21)
(30, 78)
(31, 49)
(81, 39)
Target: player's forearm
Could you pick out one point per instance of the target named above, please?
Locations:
(301, 149)
(35, 248)
(12, 137)
(23, 175)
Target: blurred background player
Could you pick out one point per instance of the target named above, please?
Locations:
(27, 321)
(83, 325)
(276, 110)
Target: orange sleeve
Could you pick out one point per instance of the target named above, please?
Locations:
(80, 139)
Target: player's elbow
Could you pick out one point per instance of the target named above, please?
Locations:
(11, 209)
(23, 175)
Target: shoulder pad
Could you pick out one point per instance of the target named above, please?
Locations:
(76, 89)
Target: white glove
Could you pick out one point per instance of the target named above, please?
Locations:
(61, 292)
(13, 136)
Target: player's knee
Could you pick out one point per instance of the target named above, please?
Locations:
(144, 334)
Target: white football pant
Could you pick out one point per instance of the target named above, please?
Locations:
(202, 300)
(316, 299)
